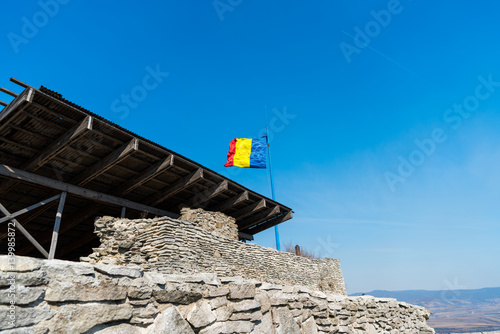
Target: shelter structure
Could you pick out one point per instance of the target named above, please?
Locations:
(61, 166)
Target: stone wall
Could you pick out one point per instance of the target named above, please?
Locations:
(181, 247)
(54, 296)
(213, 222)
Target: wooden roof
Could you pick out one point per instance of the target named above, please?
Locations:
(48, 144)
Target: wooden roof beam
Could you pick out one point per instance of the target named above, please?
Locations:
(106, 163)
(41, 158)
(177, 187)
(251, 209)
(145, 176)
(57, 146)
(24, 176)
(5, 104)
(284, 217)
(6, 91)
(241, 197)
(210, 193)
(259, 218)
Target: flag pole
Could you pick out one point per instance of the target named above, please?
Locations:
(276, 231)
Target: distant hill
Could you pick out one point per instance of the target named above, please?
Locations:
(454, 311)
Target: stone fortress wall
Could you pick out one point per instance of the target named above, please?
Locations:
(63, 297)
(207, 242)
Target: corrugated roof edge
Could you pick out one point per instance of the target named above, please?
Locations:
(59, 97)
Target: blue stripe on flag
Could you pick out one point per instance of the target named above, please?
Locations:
(258, 153)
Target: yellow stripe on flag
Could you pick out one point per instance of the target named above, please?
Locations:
(242, 154)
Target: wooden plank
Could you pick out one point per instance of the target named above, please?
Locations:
(29, 208)
(175, 188)
(25, 97)
(25, 232)
(109, 161)
(24, 176)
(245, 236)
(57, 223)
(145, 176)
(251, 209)
(58, 145)
(259, 218)
(3, 103)
(231, 202)
(272, 222)
(9, 92)
(210, 193)
(19, 82)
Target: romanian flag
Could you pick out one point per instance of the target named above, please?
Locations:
(247, 152)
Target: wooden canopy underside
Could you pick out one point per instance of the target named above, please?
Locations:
(44, 137)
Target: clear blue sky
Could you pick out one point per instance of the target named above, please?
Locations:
(347, 113)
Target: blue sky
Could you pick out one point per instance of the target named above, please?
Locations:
(384, 114)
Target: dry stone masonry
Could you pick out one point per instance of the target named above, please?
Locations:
(207, 243)
(54, 296)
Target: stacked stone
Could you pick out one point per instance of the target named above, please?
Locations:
(55, 296)
(213, 222)
(183, 247)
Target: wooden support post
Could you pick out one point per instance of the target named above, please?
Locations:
(124, 210)
(57, 223)
(24, 232)
(297, 250)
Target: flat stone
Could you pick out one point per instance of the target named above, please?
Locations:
(309, 326)
(80, 318)
(155, 278)
(66, 291)
(122, 329)
(200, 314)
(265, 326)
(179, 293)
(228, 327)
(170, 321)
(215, 292)
(142, 292)
(253, 316)
(25, 316)
(18, 263)
(223, 313)
(27, 330)
(287, 324)
(22, 296)
(218, 302)
(268, 286)
(245, 305)
(116, 270)
(207, 278)
(265, 303)
(241, 291)
(67, 268)
(27, 278)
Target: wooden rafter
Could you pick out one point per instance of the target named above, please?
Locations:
(241, 197)
(259, 218)
(210, 193)
(109, 161)
(271, 223)
(175, 188)
(145, 176)
(251, 209)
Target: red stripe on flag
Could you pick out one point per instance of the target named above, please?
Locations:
(230, 155)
